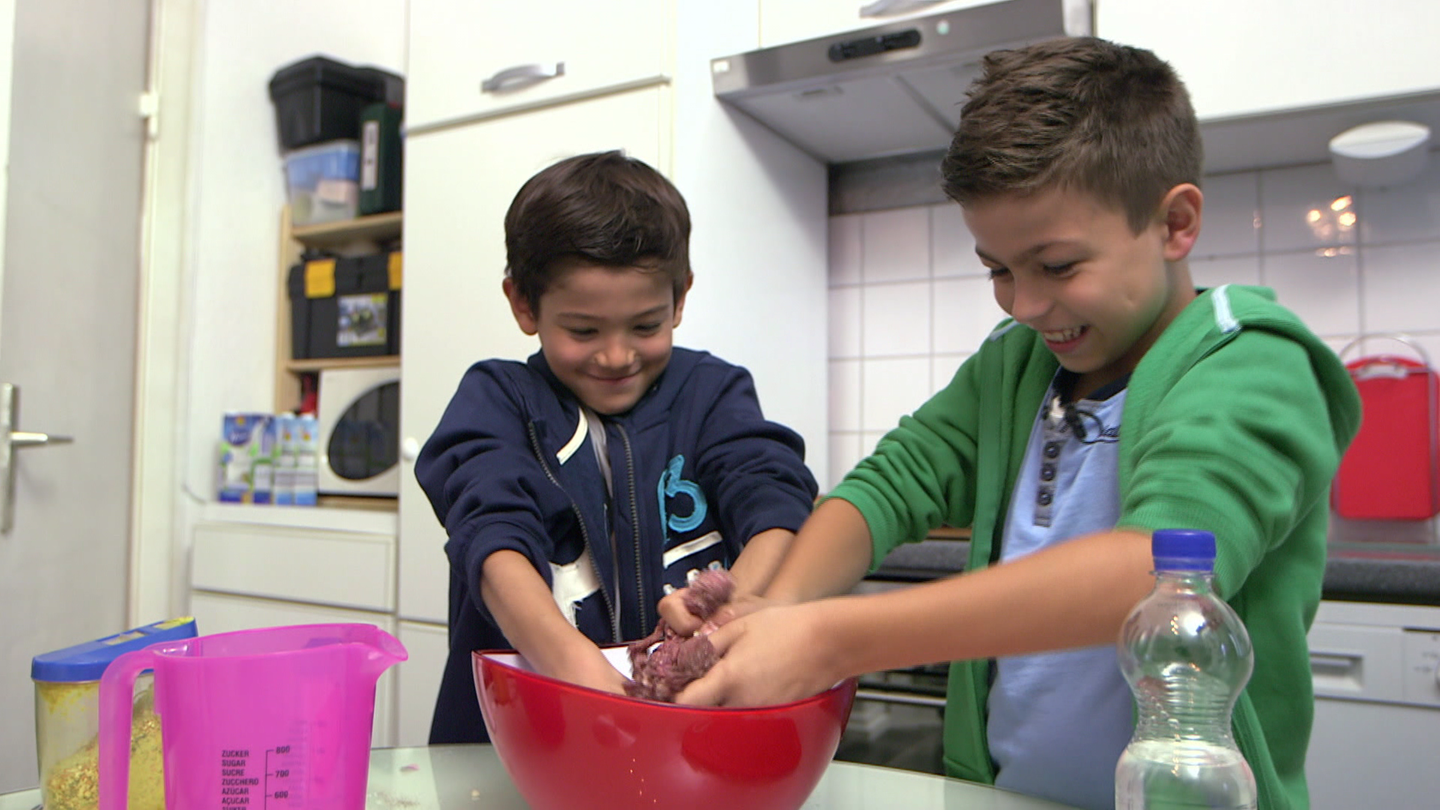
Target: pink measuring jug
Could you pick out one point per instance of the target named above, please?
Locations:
(278, 717)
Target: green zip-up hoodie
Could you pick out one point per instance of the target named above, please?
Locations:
(1234, 422)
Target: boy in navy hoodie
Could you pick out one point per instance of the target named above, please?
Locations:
(581, 487)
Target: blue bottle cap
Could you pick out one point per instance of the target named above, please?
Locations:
(87, 662)
(1183, 550)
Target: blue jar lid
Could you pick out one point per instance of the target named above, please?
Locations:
(1183, 550)
(87, 662)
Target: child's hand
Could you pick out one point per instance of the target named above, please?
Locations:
(594, 670)
(673, 610)
(676, 614)
(772, 655)
(689, 609)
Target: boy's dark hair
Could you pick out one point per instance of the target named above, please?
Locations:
(602, 208)
(1107, 119)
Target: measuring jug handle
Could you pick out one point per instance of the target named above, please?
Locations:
(117, 698)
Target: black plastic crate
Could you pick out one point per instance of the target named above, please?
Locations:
(320, 99)
(345, 307)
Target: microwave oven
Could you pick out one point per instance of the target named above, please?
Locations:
(359, 431)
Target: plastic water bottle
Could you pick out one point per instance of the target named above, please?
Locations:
(1186, 656)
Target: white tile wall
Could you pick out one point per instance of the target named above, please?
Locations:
(909, 300)
(1322, 287)
(1231, 222)
(895, 246)
(895, 319)
(1305, 207)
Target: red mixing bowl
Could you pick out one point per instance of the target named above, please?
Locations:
(568, 746)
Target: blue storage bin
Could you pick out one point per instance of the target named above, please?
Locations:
(323, 182)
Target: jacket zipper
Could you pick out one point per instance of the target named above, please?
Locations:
(635, 529)
(584, 535)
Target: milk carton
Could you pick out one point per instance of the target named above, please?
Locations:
(307, 459)
(286, 430)
(248, 447)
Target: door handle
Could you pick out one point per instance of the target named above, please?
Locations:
(10, 441)
(23, 438)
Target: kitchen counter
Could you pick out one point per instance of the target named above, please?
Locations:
(470, 777)
(1401, 573)
(1357, 571)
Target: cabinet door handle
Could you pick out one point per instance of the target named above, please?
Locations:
(521, 77)
(1335, 664)
(1338, 673)
(10, 441)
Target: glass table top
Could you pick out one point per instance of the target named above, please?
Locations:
(470, 777)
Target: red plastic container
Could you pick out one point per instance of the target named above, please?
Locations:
(1392, 469)
(568, 746)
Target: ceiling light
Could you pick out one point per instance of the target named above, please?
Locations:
(1381, 153)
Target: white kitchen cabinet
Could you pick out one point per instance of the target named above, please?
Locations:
(459, 182)
(345, 569)
(418, 680)
(1247, 57)
(783, 21)
(267, 566)
(223, 613)
(1376, 670)
(537, 54)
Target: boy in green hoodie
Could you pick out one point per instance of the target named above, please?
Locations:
(1116, 400)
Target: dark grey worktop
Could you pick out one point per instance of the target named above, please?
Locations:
(1383, 572)
(1399, 572)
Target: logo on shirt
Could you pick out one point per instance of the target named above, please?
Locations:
(671, 487)
(1088, 428)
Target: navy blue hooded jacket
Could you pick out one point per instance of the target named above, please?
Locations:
(696, 471)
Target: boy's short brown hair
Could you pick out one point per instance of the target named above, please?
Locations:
(602, 208)
(1112, 120)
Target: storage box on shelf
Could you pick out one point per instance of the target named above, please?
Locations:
(321, 99)
(323, 182)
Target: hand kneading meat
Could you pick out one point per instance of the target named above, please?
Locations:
(661, 673)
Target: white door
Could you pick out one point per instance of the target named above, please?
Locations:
(74, 71)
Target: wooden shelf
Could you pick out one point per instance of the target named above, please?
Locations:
(319, 363)
(374, 228)
(391, 505)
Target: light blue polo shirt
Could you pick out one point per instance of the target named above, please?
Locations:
(1058, 721)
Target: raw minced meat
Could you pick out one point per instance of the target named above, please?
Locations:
(660, 673)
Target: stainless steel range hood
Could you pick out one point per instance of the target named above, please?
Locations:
(890, 89)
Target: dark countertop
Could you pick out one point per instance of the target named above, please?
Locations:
(1358, 571)
(1402, 573)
